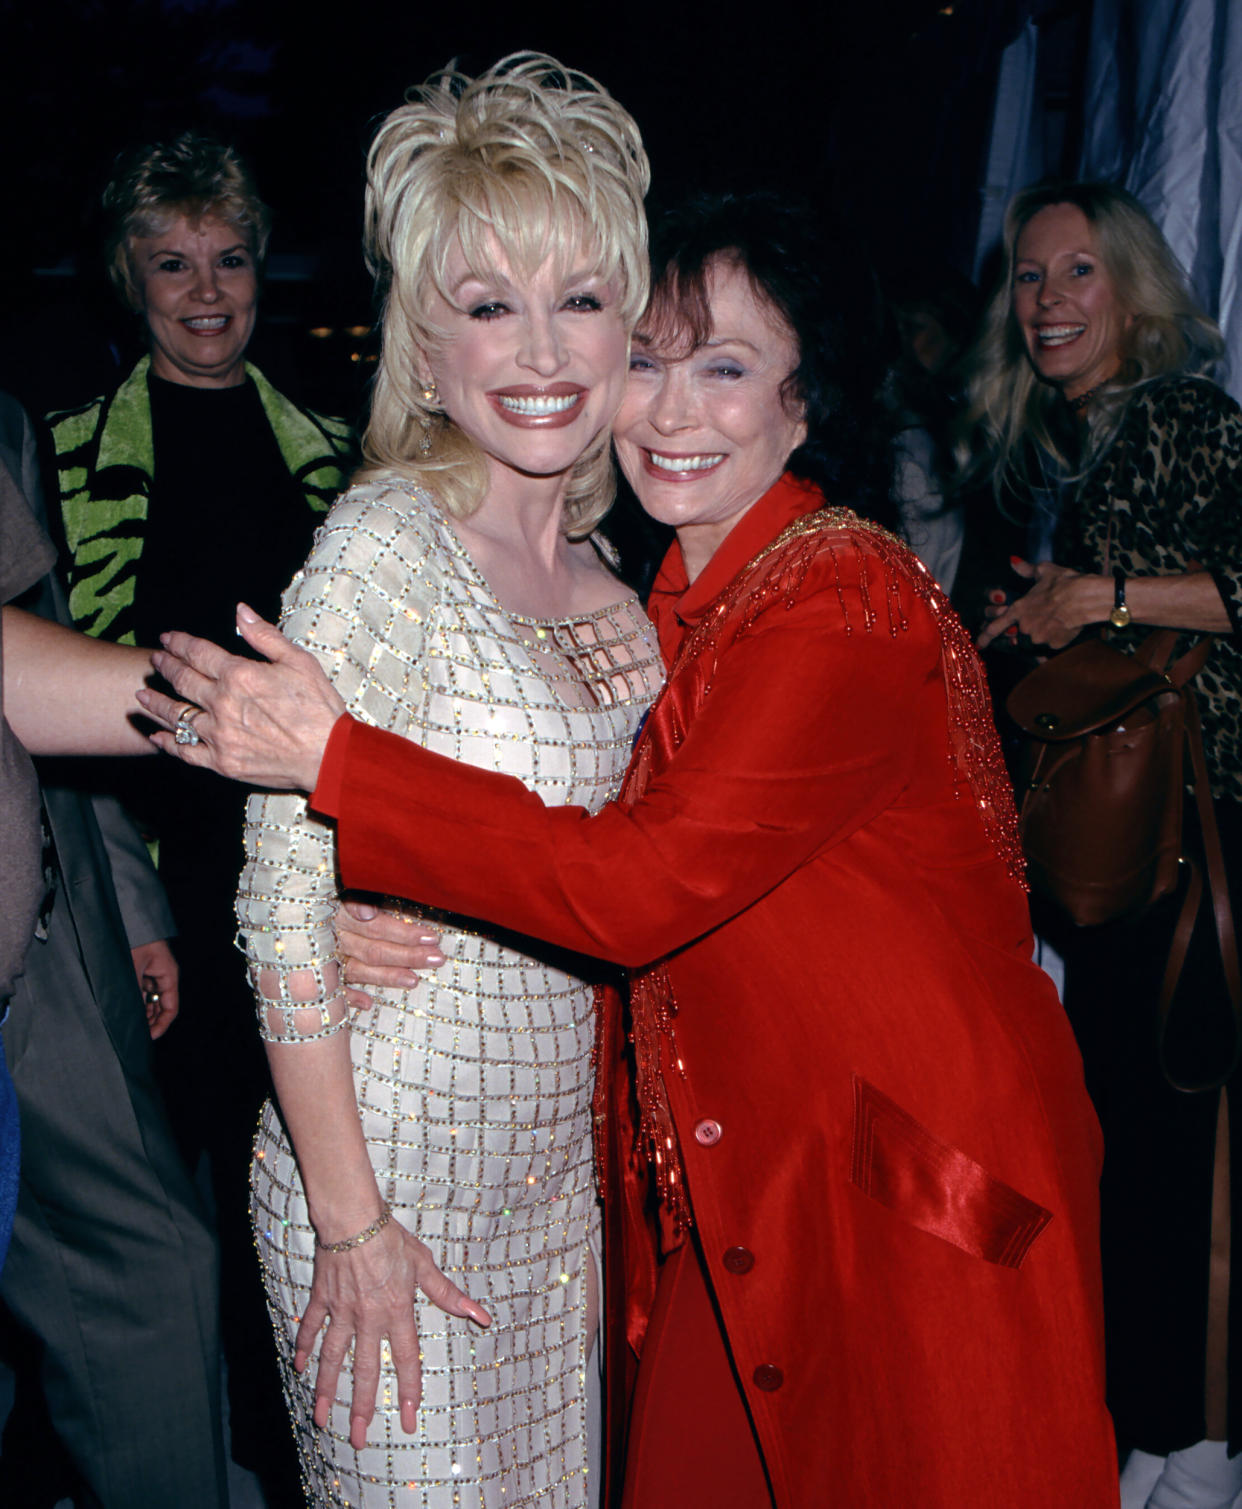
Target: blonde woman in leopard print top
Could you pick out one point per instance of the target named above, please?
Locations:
(1091, 369)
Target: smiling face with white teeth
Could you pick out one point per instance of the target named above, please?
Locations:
(530, 367)
(197, 287)
(1064, 301)
(702, 436)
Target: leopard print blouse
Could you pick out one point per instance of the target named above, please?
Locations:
(1168, 491)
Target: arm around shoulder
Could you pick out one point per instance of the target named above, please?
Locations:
(804, 737)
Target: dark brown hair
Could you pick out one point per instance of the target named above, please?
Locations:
(827, 297)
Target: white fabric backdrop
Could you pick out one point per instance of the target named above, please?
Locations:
(1164, 117)
(1014, 159)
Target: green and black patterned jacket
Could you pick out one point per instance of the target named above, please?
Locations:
(105, 459)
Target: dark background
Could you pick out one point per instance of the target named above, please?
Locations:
(878, 110)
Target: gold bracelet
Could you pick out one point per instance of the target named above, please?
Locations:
(373, 1230)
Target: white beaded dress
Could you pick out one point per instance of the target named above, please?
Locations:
(475, 1088)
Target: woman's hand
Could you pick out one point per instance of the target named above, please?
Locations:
(1055, 610)
(367, 1294)
(156, 967)
(1062, 603)
(266, 725)
(378, 947)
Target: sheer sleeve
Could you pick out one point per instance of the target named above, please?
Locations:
(362, 605)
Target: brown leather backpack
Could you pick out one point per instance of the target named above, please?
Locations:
(1101, 792)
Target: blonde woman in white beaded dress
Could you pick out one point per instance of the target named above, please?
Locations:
(423, 1198)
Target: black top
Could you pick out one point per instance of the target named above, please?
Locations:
(226, 521)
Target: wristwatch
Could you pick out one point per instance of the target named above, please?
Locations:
(1120, 616)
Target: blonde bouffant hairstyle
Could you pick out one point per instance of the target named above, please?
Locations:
(191, 175)
(530, 158)
(1012, 411)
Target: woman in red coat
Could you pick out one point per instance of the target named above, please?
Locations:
(873, 1274)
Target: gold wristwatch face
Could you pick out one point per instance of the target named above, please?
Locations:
(1120, 616)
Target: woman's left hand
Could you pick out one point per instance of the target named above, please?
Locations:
(267, 725)
(380, 947)
(156, 967)
(369, 1294)
(1055, 610)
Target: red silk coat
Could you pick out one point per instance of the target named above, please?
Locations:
(872, 1094)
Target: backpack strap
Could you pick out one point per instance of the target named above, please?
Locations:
(1157, 648)
(1218, 888)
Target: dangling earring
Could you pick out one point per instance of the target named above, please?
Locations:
(430, 398)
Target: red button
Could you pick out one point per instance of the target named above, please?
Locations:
(739, 1260)
(707, 1132)
(768, 1377)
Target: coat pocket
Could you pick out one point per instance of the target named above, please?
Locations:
(936, 1186)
